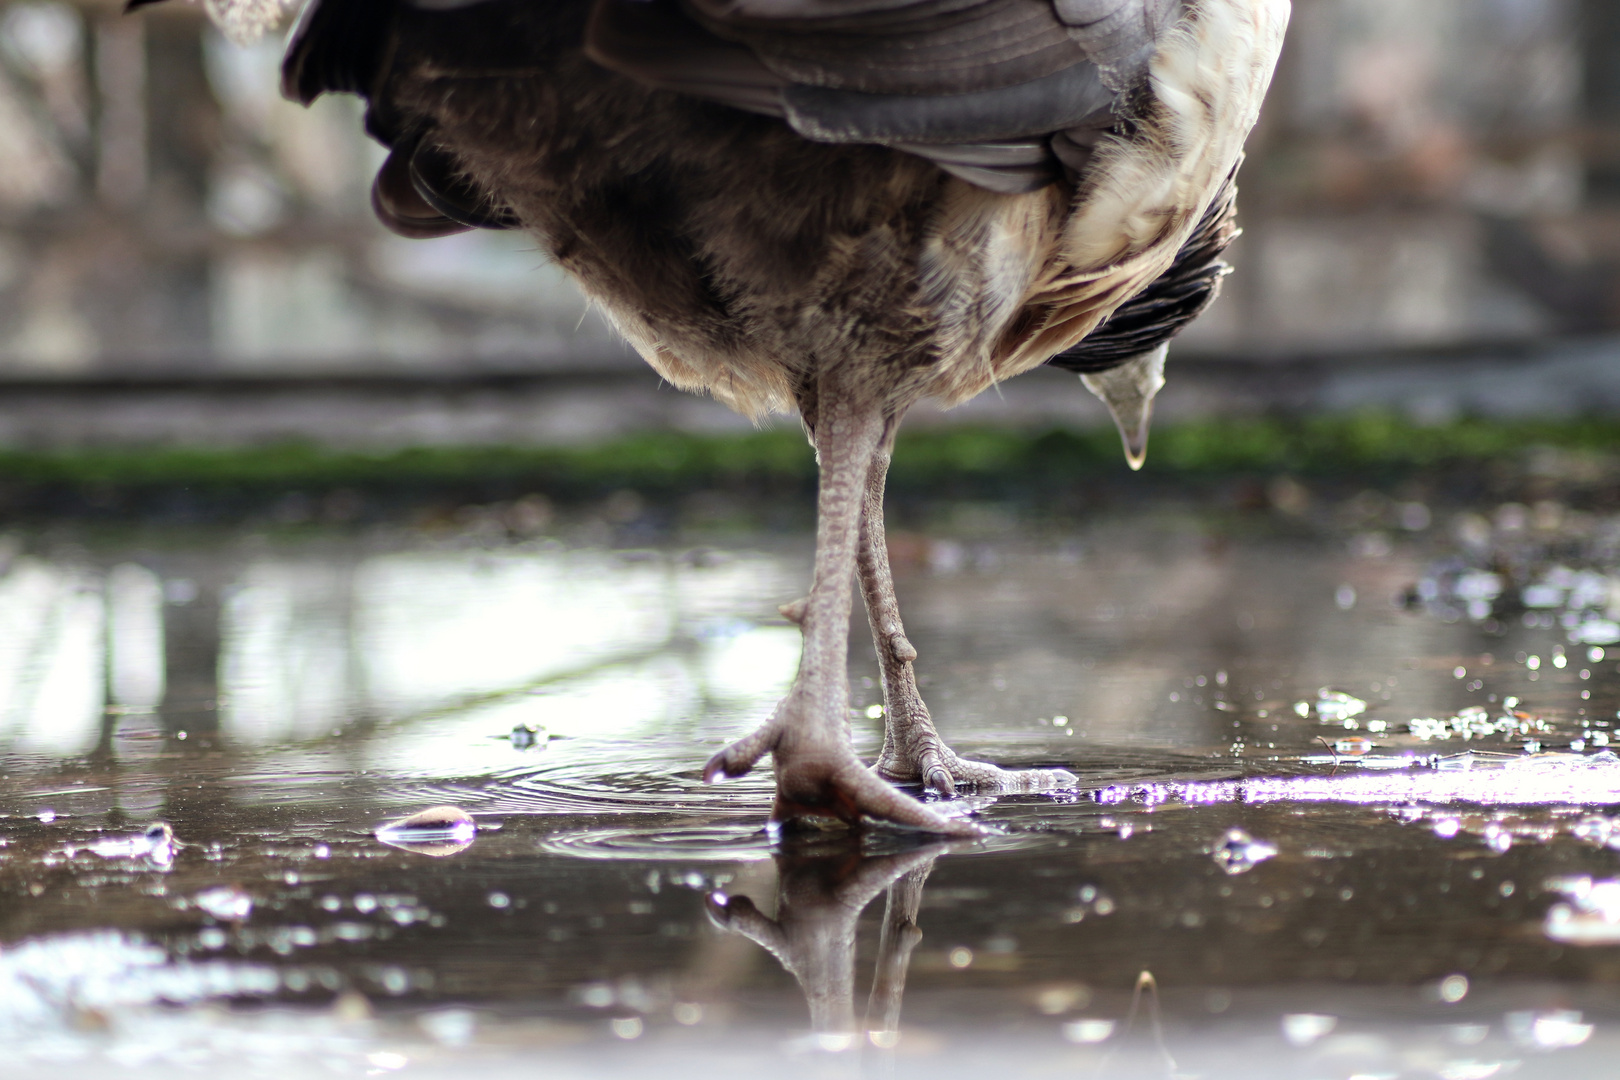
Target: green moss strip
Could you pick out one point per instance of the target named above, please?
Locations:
(1331, 445)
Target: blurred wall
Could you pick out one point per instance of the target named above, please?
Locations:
(1427, 171)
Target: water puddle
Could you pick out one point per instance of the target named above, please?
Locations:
(393, 801)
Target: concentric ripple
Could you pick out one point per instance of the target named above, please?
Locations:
(589, 776)
(703, 842)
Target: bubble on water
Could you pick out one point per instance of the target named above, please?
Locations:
(1302, 1029)
(1238, 852)
(436, 831)
(228, 903)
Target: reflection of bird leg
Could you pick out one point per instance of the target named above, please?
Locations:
(819, 900)
(900, 935)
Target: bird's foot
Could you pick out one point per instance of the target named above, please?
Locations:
(820, 777)
(913, 752)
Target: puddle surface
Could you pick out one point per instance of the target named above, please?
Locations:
(1350, 800)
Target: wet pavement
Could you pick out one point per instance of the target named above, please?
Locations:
(1347, 802)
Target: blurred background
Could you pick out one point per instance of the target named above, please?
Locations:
(1433, 193)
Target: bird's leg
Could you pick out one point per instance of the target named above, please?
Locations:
(817, 772)
(912, 748)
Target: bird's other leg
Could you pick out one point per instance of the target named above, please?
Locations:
(817, 772)
(912, 748)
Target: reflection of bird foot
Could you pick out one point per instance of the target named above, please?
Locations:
(818, 776)
(914, 752)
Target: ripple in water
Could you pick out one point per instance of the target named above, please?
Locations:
(706, 842)
(588, 776)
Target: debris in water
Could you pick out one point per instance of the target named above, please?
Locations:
(155, 843)
(1592, 916)
(1238, 852)
(528, 736)
(437, 831)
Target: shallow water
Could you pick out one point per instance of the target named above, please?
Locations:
(1306, 805)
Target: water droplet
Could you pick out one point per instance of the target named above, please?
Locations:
(1453, 988)
(960, 957)
(1238, 852)
(436, 831)
(627, 1027)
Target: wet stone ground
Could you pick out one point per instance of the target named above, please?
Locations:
(1346, 804)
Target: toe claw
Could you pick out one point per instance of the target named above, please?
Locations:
(741, 756)
(714, 770)
(937, 778)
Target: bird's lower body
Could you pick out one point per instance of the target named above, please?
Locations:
(808, 736)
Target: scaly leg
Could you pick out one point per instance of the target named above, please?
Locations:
(912, 748)
(817, 772)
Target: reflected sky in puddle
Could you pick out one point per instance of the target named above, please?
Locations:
(1242, 830)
